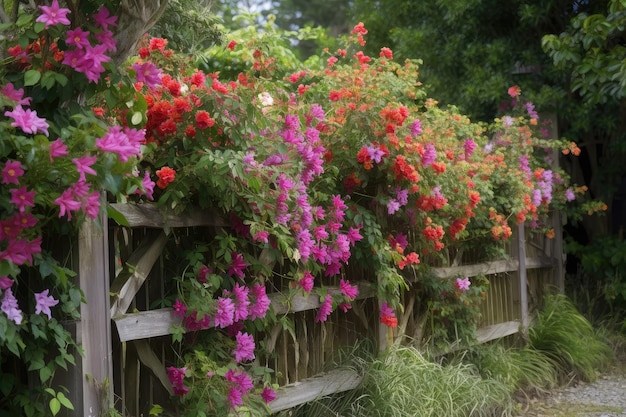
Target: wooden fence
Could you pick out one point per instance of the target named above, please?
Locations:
(124, 339)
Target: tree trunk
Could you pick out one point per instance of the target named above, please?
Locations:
(136, 17)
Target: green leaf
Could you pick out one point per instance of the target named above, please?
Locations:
(65, 401)
(60, 78)
(156, 410)
(8, 269)
(7, 382)
(55, 406)
(31, 77)
(117, 216)
(45, 374)
(24, 20)
(47, 81)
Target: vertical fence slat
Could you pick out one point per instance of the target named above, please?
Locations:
(94, 333)
(521, 253)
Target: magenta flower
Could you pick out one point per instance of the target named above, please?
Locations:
(203, 273)
(104, 19)
(27, 120)
(118, 142)
(107, 40)
(242, 303)
(16, 95)
(11, 172)
(262, 304)
(53, 15)
(179, 308)
(176, 377)
(57, 149)
(83, 165)
(241, 379)
(469, 146)
(44, 302)
(21, 221)
(569, 195)
(67, 204)
(88, 61)
(235, 396)
(385, 310)
(237, 265)
(416, 128)
(350, 291)
(284, 183)
(245, 347)
(463, 284)
(11, 308)
(5, 283)
(268, 395)
(262, 236)
(325, 309)
(78, 38)
(354, 235)
(307, 281)
(429, 156)
(21, 251)
(225, 313)
(148, 185)
(148, 73)
(22, 198)
(320, 232)
(91, 205)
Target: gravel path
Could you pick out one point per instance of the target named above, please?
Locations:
(606, 397)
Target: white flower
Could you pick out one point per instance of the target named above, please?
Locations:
(266, 99)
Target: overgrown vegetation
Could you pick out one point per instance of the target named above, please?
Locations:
(486, 380)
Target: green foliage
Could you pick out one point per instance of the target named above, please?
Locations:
(402, 382)
(190, 26)
(521, 370)
(604, 283)
(452, 315)
(568, 339)
(592, 51)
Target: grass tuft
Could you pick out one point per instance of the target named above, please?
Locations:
(568, 339)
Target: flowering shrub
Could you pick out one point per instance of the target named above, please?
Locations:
(343, 161)
(315, 168)
(57, 159)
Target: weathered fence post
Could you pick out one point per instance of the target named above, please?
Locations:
(94, 329)
(523, 281)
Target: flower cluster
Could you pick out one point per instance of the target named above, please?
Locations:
(57, 160)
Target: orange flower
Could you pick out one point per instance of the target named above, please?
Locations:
(166, 176)
(514, 91)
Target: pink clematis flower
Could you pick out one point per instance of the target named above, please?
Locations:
(27, 120)
(57, 149)
(11, 172)
(22, 198)
(463, 284)
(83, 165)
(16, 95)
(53, 15)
